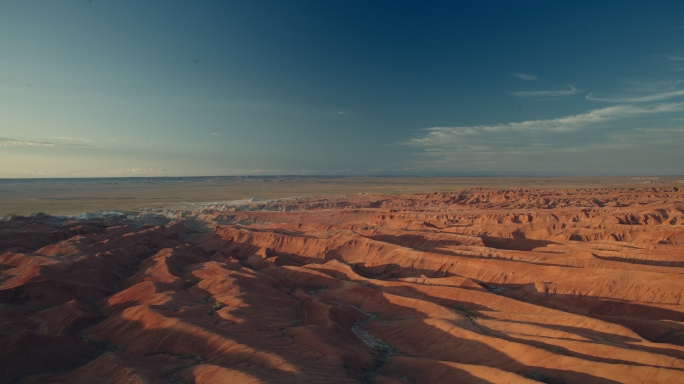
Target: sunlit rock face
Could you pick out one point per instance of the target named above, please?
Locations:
(474, 286)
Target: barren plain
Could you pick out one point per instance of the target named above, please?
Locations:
(75, 196)
(475, 285)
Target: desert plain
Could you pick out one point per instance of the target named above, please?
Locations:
(343, 281)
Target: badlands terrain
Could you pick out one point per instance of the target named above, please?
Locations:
(468, 286)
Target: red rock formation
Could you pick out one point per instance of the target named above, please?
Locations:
(581, 286)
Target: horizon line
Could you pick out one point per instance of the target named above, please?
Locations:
(474, 175)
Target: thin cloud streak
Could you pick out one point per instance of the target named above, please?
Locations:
(544, 152)
(83, 146)
(136, 171)
(674, 58)
(527, 133)
(642, 99)
(77, 142)
(78, 139)
(559, 93)
(73, 143)
(524, 76)
(4, 142)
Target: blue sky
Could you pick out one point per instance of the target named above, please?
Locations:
(147, 88)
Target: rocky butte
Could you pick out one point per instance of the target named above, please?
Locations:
(472, 286)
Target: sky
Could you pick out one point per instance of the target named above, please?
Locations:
(104, 88)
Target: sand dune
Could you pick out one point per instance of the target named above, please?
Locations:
(472, 286)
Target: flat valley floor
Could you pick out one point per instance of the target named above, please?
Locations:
(76, 196)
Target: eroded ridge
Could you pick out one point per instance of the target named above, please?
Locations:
(473, 286)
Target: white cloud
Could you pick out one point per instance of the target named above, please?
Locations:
(215, 134)
(136, 171)
(52, 172)
(78, 139)
(83, 146)
(341, 113)
(656, 86)
(524, 76)
(118, 172)
(559, 93)
(444, 144)
(674, 58)
(77, 142)
(639, 136)
(642, 99)
(626, 150)
(4, 142)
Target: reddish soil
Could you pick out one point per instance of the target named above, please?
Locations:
(474, 286)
